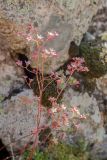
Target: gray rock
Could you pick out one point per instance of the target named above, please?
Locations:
(99, 21)
(99, 151)
(102, 84)
(88, 37)
(18, 120)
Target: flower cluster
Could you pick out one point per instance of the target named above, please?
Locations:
(75, 110)
(77, 64)
(52, 35)
(49, 52)
(62, 116)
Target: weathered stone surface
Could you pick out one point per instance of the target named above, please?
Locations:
(99, 151)
(70, 18)
(102, 84)
(8, 35)
(18, 119)
(9, 73)
(10, 46)
(99, 22)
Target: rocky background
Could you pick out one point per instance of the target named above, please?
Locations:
(71, 19)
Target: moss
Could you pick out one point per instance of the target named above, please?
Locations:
(50, 91)
(94, 61)
(91, 54)
(61, 151)
(89, 84)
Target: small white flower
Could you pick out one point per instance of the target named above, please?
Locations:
(47, 51)
(50, 52)
(53, 34)
(63, 107)
(56, 34)
(67, 123)
(39, 37)
(53, 52)
(50, 34)
(83, 116)
(54, 110)
(29, 38)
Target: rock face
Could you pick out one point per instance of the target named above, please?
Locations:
(69, 18)
(9, 45)
(102, 84)
(99, 22)
(12, 83)
(99, 151)
(18, 119)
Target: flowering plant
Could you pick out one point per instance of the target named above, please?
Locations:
(58, 114)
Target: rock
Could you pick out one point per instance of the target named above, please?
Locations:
(102, 84)
(9, 73)
(9, 39)
(99, 21)
(69, 18)
(18, 120)
(91, 127)
(11, 83)
(99, 151)
(10, 46)
(88, 37)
